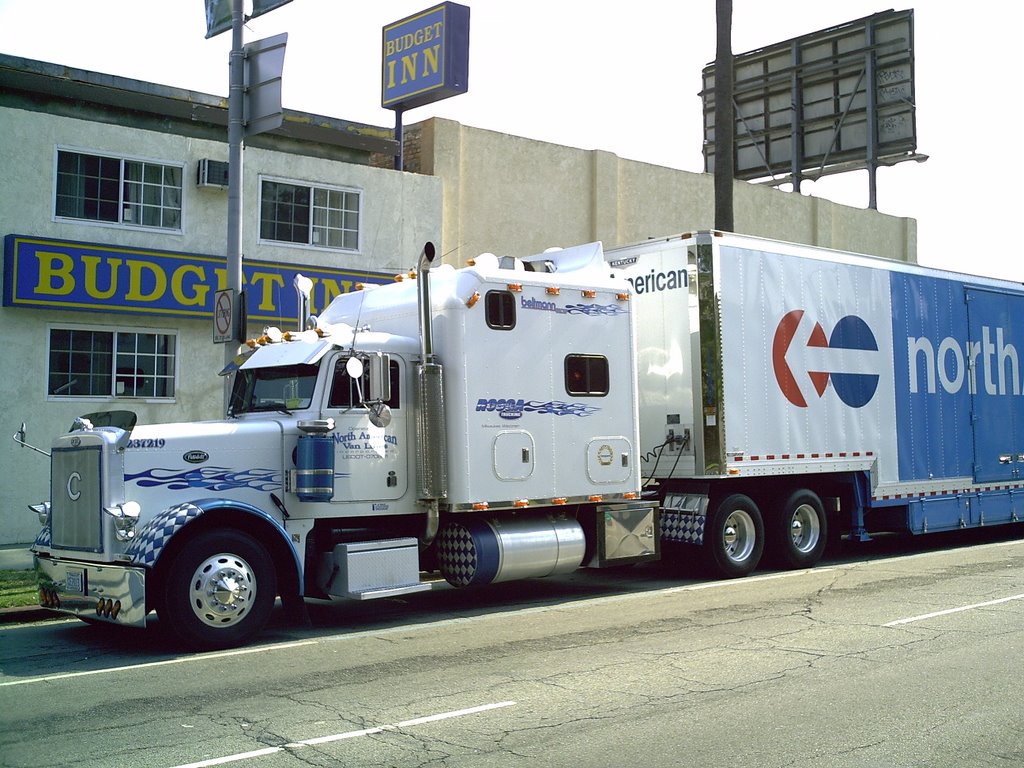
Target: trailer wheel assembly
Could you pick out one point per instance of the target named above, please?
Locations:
(798, 530)
(219, 590)
(734, 536)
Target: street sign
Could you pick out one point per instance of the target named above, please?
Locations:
(218, 13)
(264, 64)
(223, 316)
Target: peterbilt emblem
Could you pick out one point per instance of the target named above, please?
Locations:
(196, 457)
(72, 487)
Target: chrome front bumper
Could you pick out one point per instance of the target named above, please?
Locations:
(95, 591)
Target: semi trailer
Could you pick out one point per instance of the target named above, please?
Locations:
(705, 395)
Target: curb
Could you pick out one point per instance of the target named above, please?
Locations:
(24, 614)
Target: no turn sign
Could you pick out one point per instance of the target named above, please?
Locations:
(223, 316)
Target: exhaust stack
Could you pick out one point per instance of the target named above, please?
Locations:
(431, 437)
(423, 293)
(303, 289)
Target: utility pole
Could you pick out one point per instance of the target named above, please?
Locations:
(725, 124)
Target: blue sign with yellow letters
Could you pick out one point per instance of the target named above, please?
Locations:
(60, 274)
(426, 57)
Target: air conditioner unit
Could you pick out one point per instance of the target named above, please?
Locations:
(212, 173)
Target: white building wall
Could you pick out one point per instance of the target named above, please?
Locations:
(400, 212)
(517, 196)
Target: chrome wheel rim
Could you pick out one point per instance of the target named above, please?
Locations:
(805, 528)
(222, 590)
(739, 536)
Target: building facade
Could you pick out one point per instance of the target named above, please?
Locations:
(518, 196)
(113, 212)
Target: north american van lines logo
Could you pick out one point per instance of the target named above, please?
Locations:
(843, 358)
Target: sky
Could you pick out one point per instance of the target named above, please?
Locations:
(623, 78)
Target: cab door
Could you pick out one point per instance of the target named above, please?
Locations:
(370, 463)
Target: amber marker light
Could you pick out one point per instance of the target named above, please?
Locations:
(517, 287)
(521, 503)
(473, 299)
(481, 506)
(589, 294)
(552, 290)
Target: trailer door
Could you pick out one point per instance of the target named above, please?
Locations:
(996, 328)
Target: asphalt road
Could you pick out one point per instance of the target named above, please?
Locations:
(879, 657)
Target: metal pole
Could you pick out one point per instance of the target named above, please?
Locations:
(725, 120)
(872, 116)
(236, 135)
(797, 135)
(400, 138)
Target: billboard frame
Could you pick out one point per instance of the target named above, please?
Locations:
(803, 108)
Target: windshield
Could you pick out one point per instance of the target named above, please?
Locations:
(281, 388)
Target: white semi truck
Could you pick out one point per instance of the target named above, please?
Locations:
(704, 394)
(464, 427)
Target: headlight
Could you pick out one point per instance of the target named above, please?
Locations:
(42, 510)
(126, 517)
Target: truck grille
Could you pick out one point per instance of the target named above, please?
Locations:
(75, 486)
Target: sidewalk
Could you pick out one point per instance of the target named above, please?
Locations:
(17, 557)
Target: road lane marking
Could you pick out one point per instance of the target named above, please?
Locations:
(405, 628)
(148, 664)
(294, 745)
(948, 611)
(573, 604)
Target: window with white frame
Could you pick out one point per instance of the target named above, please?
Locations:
(115, 190)
(98, 363)
(326, 217)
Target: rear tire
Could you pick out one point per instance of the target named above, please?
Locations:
(734, 536)
(799, 530)
(219, 591)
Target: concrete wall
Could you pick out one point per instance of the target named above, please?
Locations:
(517, 196)
(400, 212)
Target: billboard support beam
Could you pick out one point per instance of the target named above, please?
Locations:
(724, 118)
(871, 92)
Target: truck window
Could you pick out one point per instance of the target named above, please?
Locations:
(343, 388)
(500, 310)
(586, 375)
(285, 387)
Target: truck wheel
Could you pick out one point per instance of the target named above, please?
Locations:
(220, 590)
(734, 536)
(799, 530)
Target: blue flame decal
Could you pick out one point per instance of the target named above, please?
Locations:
(210, 478)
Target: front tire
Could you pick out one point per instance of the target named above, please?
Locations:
(219, 591)
(734, 536)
